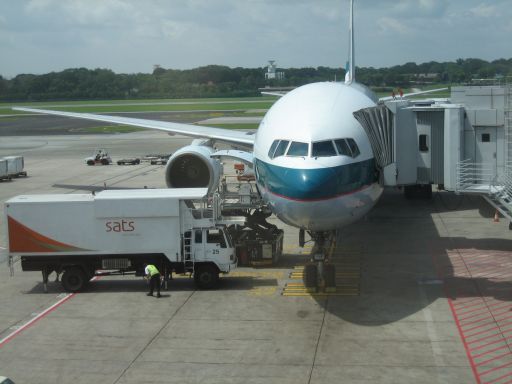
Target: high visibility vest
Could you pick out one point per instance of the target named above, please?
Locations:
(152, 270)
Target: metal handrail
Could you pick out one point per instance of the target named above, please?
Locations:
(471, 175)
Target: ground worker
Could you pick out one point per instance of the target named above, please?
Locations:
(153, 275)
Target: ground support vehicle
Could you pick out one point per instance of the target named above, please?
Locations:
(257, 242)
(100, 157)
(4, 174)
(160, 160)
(129, 161)
(257, 246)
(15, 165)
(117, 232)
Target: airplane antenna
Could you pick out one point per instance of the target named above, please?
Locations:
(350, 75)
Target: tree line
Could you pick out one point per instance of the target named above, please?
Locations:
(222, 81)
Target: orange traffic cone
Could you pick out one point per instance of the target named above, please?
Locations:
(496, 217)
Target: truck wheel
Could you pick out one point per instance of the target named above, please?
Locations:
(104, 161)
(137, 161)
(90, 162)
(310, 276)
(206, 277)
(119, 163)
(73, 279)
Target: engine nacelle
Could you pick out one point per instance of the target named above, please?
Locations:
(192, 167)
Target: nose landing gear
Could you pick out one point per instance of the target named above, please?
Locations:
(320, 275)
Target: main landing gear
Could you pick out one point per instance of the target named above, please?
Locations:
(319, 274)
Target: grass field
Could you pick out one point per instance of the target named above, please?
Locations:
(162, 105)
(111, 129)
(171, 105)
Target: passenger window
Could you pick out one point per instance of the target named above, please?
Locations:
(353, 147)
(342, 147)
(297, 149)
(323, 149)
(272, 149)
(215, 236)
(198, 236)
(423, 143)
(281, 148)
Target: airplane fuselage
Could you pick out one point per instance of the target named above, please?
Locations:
(313, 162)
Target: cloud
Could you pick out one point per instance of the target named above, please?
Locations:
(92, 13)
(131, 36)
(392, 25)
(421, 8)
(484, 10)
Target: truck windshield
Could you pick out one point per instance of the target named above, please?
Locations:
(215, 236)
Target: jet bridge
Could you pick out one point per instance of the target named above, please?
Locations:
(462, 144)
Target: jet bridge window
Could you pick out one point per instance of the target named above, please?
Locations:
(323, 149)
(298, 149)
(342, 147)
(423, 143)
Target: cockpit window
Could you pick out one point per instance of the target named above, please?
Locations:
(353, 147)
(281, 148)
(272, 149)
(298, 149)
(323, 149)
(342, 147)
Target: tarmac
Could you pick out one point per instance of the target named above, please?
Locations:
(424, 297)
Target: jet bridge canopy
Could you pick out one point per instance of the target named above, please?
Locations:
(378, 125)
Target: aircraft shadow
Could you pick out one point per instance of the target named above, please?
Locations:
(415, 252)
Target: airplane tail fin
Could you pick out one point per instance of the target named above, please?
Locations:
(350, 74)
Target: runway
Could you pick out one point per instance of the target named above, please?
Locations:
(432, 301)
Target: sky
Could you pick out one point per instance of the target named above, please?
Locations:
(129, 36)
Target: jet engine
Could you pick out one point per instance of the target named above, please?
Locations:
(192, 167)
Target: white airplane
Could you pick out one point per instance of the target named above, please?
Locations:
(313, 162)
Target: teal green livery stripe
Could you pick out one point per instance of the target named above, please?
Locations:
(318, 183)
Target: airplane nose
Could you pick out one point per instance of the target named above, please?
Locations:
(303, 184)
(316, 184)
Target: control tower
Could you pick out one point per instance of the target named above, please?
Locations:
(272, 72)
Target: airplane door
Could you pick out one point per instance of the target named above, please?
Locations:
(486, 150)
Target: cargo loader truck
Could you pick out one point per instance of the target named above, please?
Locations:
(116, 232)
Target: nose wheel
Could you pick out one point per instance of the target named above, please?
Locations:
(320, 275)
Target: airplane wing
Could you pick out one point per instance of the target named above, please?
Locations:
(229, 136)
(387, 98)
(244, 157)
